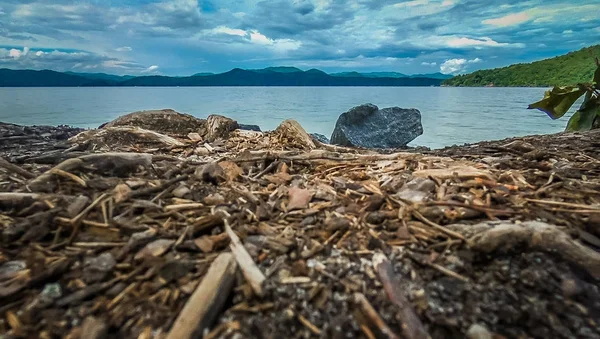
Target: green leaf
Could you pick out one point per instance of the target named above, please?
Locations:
(583, 119)
(558, 101)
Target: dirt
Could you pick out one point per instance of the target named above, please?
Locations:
(124, 260)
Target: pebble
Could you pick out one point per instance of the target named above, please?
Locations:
(478, 331)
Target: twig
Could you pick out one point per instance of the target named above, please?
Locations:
(266, 170)
(206, 302)
(366, 316)
(251, 272)
(76, 221)
(565, 204)
(412, 328)
(438, 227)
(314, 329)
(448, 272)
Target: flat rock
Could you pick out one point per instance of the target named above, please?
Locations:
(320, 138)
(370, 127)
(164, 121)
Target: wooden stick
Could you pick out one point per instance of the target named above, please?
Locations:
(16, 169)
(440, 228)
(366, 316)
(206, 302)
(251, 272)
(412, 328)
(564, 204)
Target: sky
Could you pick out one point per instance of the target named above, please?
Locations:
(184, 37)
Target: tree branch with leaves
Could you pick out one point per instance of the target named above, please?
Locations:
(558, 101)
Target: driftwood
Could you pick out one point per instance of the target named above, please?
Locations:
(251, 272)
(219, 127)
(291, 132)
(535, 235)
(16, 169)
(18, 199)
(204, 305)
(412, 328)
(121, 136)
(118, 162)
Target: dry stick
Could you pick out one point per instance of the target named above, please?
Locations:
(412, 328)
(564, 204)
(366, 316)
(161, 187)
(16, 169)
(76, 222)
(440, 228)
(206, 302)
(251, 272)
(473, 207)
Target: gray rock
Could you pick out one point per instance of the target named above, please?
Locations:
(320, 137)
(250, 127)
(370, 127)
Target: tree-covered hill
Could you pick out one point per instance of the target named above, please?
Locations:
(568, 69)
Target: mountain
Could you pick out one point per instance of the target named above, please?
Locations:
(568, 69)
(278, 69)
(241, 77)
(271, 76)
(437, 75)
(45, 78)
(102, 76)
(370, 75)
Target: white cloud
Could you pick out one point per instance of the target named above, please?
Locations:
(412, 3)
(278, 45)
(151, 69)
(567, 32)
(508, 20)
(124, 49)
(453, 66)
(425, 63)
(16, 54)
(478, 43)
(260, 39)
(447, 3)
(229, 31)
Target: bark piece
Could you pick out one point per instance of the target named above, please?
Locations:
(251, 272)
(206, 302)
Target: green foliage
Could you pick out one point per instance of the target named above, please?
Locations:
(557, 102)
(563, 70)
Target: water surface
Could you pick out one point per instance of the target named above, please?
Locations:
(450, 115)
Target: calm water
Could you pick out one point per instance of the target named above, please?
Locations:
(449, 115)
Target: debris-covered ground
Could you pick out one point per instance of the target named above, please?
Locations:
(275, 235)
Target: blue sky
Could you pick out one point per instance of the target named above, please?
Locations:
(182, 37)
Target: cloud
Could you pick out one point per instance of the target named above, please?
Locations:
(425, 63)
(151, 69)
(454, 66)
(124, 49)
(462, 42)
(64, 60)
(228, 31)
(508, 20)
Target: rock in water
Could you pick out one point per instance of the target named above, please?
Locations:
(320, 138)
(370, 127)
(219, 127)
(165, 121)
(255, 128)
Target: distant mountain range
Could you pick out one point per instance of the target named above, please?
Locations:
(270, 76)
(569, 69)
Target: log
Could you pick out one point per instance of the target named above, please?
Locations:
(122, 136)
(249, 269)
(412, 327)
(206, 302)
(219, 127)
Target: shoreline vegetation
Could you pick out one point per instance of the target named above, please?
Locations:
(175, 228)
(564, 70)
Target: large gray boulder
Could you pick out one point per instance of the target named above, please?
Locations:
(370, 127)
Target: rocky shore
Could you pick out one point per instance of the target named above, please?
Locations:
(168, 226)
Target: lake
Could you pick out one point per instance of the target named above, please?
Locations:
(450, 115)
